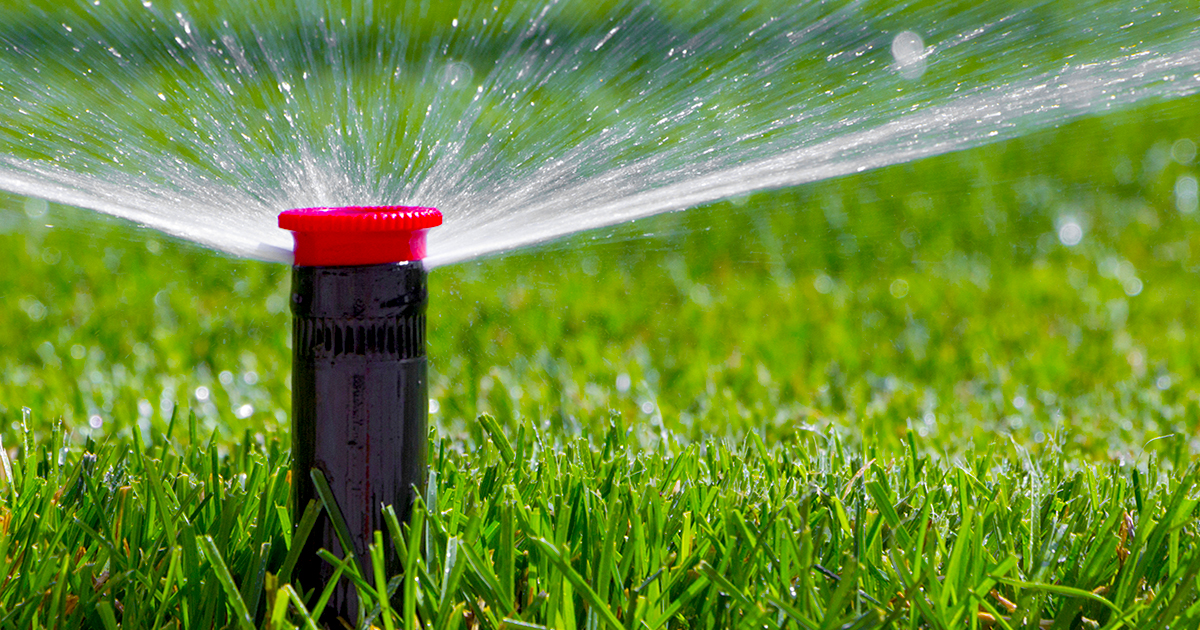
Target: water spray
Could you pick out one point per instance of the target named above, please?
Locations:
(359, 386)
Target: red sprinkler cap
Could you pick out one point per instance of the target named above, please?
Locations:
(358, 235)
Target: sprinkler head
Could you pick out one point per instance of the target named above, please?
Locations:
(359, 387)
(358, 235)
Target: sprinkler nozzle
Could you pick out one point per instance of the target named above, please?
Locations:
(359, 235)
(360, 398)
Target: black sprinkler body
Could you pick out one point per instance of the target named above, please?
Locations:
(359, 379)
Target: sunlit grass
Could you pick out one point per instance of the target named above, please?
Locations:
(599, 533)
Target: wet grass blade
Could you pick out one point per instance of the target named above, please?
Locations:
(580, 585)
(339, 523)
(299, 538)
(415, 530)
(495, 432)
(381, 583)
(241, 613)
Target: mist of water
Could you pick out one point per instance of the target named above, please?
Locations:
(524, 121)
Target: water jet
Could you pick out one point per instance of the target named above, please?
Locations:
(530, 120)
(359, 383)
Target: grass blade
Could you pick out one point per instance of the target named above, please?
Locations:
(581, 586)
(339, 522)
(410, 566)
(1060, 590)
(498, 438)
(381, 584)
(299, 538)
(242, 615)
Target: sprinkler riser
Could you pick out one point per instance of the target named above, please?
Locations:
(359, 405)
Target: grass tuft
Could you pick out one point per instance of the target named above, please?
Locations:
(717, 535)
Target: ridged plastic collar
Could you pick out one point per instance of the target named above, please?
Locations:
(358, 235)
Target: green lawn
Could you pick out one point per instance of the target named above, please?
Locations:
(895, 399)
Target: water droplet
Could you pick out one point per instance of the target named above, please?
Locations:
(1070, 233)
(623, 383)
(95, 421)
(434, 406)
(1163, 382)
(226, 377)
(244, 411)
(823, 284)
(1136, 360)
(1132, 286)
(909, 54)
(1184, 151)
(36, 208)
(202, 393)
(34, 309)
(898, 288)
(1187, 194)
(457, 74)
